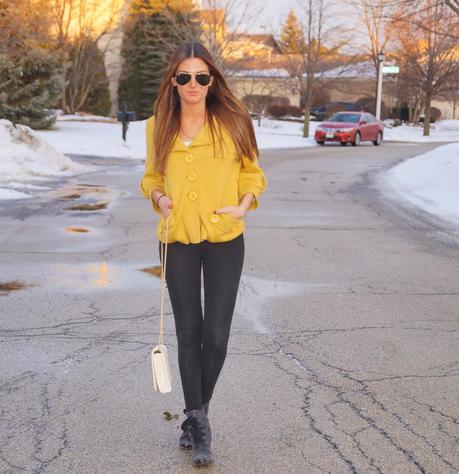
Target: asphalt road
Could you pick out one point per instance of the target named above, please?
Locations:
(343, 355)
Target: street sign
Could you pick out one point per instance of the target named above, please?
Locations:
(390, 69)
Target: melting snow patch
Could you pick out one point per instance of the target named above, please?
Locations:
(24, 155)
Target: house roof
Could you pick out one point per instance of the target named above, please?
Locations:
(361, 70)
(266, 39)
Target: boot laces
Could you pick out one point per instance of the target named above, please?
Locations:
(197, 429)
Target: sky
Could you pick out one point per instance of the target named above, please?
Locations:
(272, 13)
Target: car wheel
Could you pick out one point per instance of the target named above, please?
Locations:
(356, 141)
(378, 139)
(319, 142)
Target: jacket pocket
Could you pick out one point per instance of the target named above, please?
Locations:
(225, 222)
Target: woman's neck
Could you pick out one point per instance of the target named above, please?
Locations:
(193, 111)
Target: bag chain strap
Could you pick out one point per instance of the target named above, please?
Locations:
(163, 282)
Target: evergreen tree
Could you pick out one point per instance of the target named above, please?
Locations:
(145, 57)
(29, 86)
(292, 35)
(30, 77)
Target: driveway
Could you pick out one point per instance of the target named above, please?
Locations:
(344, 349)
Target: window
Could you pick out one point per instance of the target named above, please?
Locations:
(353, 118)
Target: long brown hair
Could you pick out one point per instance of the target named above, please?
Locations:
(221, 104)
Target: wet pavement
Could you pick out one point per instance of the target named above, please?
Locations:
(343, 355)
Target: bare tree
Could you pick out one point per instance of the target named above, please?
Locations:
(23, 23)
(222, 29)
(225, 27)
(451, 94)
(375, 15)
(411, 11)
(454, 5)
(428, 60)
(181, 17)
(318, 51)
(79, 25)
(259, 91)
(85, 72)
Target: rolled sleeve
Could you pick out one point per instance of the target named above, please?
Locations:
(251, 179)
(151, 179)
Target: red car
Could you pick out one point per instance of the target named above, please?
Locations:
(350, 127)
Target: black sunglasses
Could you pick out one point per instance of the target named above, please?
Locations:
(184, 77)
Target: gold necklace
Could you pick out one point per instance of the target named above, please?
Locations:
(187, 136)
(192, 138)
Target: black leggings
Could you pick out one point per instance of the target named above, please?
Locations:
(202, 343)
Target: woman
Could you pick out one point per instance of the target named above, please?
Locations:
(202, 175)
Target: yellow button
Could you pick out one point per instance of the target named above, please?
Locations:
(214, 218)
(192, 195)
(189, 158)
(192, 176)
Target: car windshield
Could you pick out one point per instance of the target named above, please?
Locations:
(344, 118)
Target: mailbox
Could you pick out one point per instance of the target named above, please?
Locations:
(124, 116)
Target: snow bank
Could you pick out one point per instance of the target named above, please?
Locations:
(25, 156)
(441, 131)
(82, 117)
(282, 134)
(430, 181)
(96, 138)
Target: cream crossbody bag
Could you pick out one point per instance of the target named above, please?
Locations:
(162, 379)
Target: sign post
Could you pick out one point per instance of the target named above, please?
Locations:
(379, 85)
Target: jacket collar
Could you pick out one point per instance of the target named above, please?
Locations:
(204, 137)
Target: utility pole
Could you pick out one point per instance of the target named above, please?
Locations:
(379, 85)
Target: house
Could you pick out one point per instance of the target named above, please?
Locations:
(255, 65)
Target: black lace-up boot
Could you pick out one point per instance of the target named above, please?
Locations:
(185, 440)
(197, 425)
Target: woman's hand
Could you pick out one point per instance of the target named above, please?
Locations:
(165, 204)
(238, 212)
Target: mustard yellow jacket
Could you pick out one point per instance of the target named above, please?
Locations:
(198, 184)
